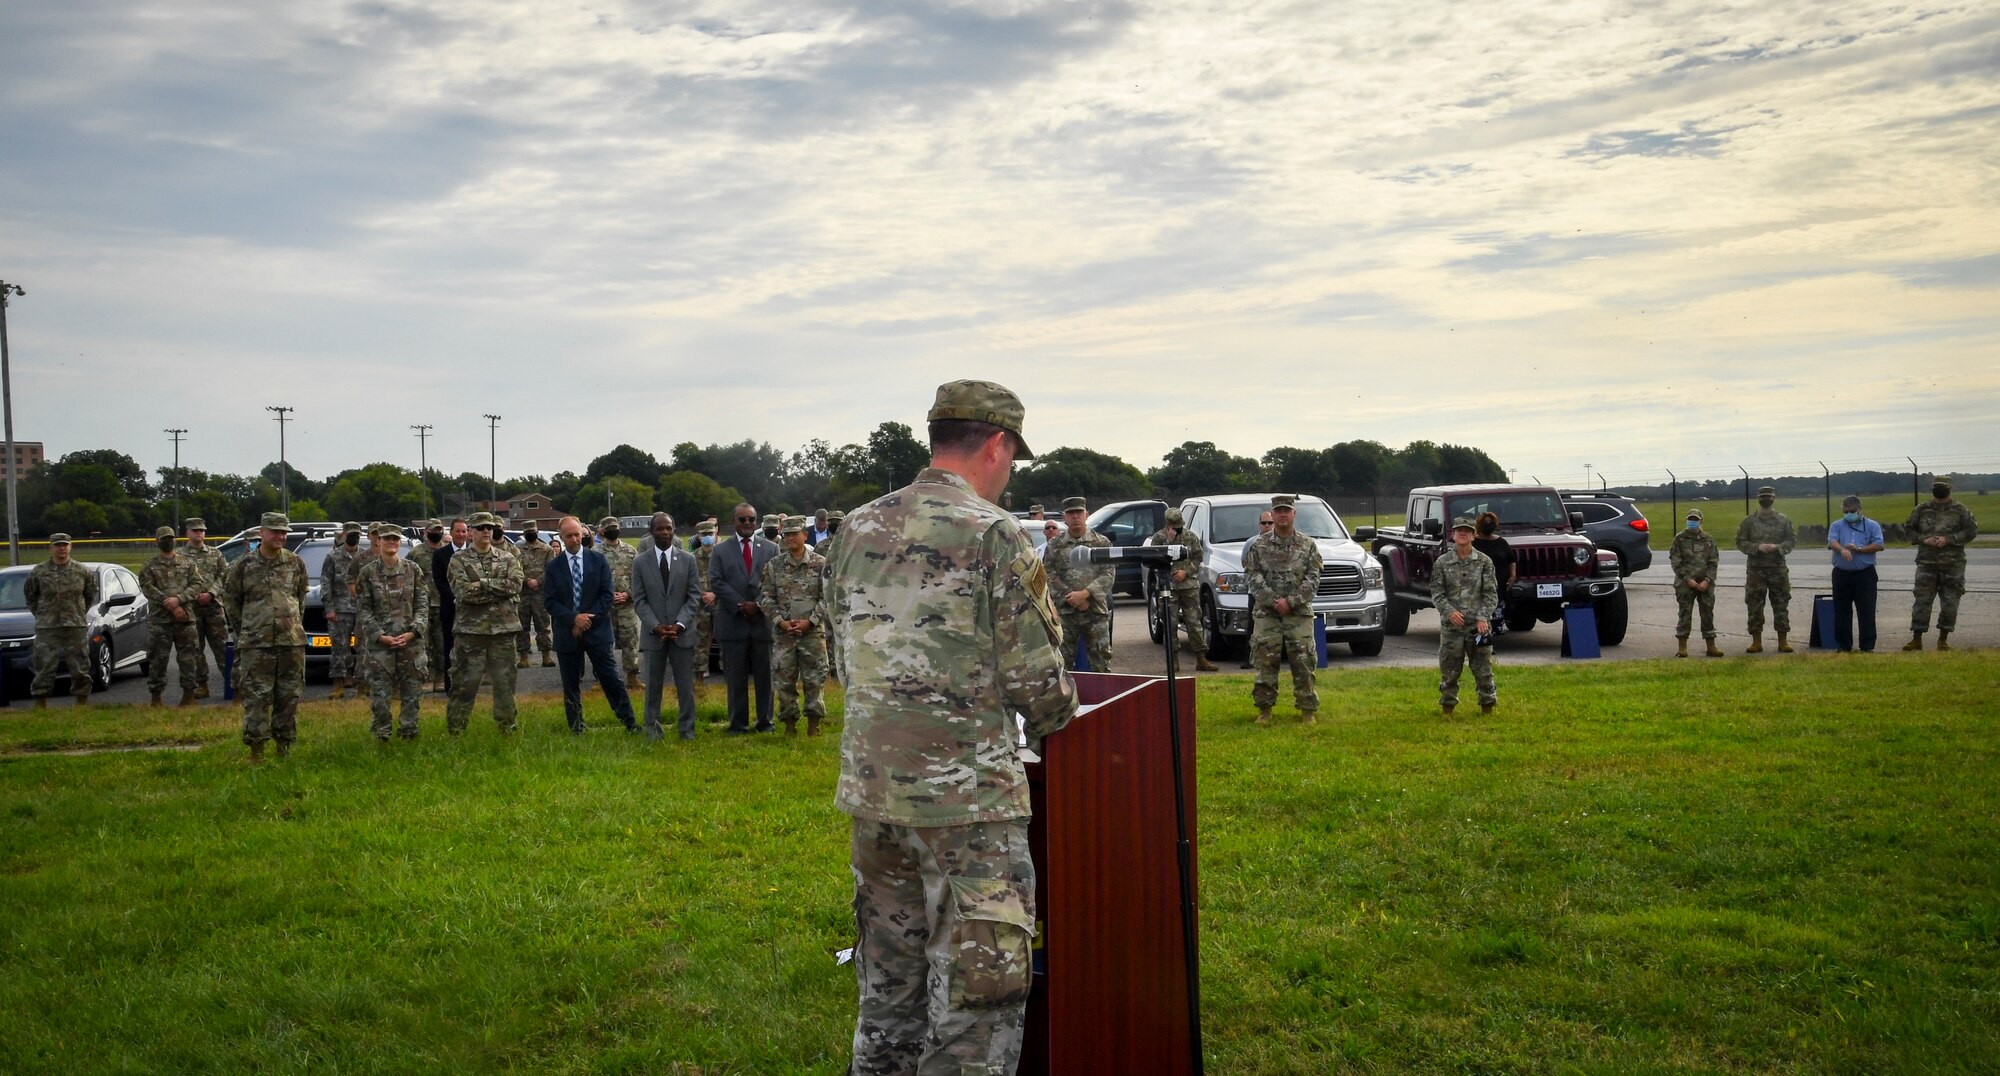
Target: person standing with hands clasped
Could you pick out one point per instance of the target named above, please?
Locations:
(1766, 537)
(793, 589)
(1941, 527)
(949, 633)
(1464, 591)
(1695, 557)
(393, 602)
(1854, 540)
(1281, 568)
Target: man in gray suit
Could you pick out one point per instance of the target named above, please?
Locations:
(666, 591)
(735, 572)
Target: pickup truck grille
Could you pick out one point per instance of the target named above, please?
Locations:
(1546, 562)
(1339, 581)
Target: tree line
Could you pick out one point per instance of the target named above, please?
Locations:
(105, 492)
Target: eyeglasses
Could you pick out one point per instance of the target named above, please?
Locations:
(746, 519)
(1263, 523)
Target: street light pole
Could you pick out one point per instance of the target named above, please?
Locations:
(423, 465)
(176, 435)
(284, 469)
(493, 460)
(7, 292)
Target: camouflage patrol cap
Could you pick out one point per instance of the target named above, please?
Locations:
(1767, 491)
(484, 519)
(1075, 504)
(195, 523)
(163, 532)
(350, 527)
(607, 521)
(1941, 480)
(1694, 514)
(275, 521)
(982, 401)
(792, 524)
(771, 520)
(386, 531)
(835, 516)
(1034, 508)
(433, 522)
(1174, 515)
(1463, 523)
(1283, 500)
(706, 526)
(58, 538)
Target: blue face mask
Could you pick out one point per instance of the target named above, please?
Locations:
(1694, 524)
(708, 539)
(1852, 517)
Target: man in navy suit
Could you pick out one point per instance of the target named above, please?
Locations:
(576, 588)
(735, 572)
(666, 591)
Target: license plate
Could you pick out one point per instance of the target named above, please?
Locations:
(320, 642)
(1548, 590)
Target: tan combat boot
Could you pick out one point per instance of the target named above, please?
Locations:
(156, 700)
(1756, 644)
(187, 697)
(632, 682)
(1916, 643)
(812, 726)
(339, 690)
(522, 663)
(1485, 707)
(1263, 715)
(1714, 651)
(257, 753)
(284, 748)
(1308, 717)
(1683, 650)
(1784, 647)
(548, 659)
(1202, 663)
(1944, 639)
(1445, 709)
(201, 691)
(41, 702)
(82, 699)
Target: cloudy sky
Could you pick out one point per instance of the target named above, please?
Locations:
(1637, 235)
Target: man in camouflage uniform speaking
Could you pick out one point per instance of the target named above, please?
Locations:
(486, 582)
(947, 632)
(169, 582)
(1082, 591)
(1282, 571)
(264, 595)
(1765, 537)
(793, 587)
(59, 593)
(1941, 527)
(210, 626)
(1184, 582)
(393, 601)
(1465, 590)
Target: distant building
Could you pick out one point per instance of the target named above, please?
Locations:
(532, 506)
(27, 456)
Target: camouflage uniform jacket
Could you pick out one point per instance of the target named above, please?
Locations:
(420, 555)
(1281, 567)
(211, 567)
(1190, 562)
(792, 589)
(1951, 519)
(487, 587)
(337, 576)
(535, 557)
(1759, 527)
(620, 557)
(701, 555)
(392, 600)
(1464, 584)
(162, 578)
(61, 597)
(1065, 577)
(264, 598)
(947, 631)
(1694, 555)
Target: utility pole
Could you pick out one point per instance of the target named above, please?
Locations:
(1676, 480)
(1746, 489)
(284, 469)
(10, 442)
(493, 460)
(1586, 478)
(423, 465)
(7, 292)
(176, 435)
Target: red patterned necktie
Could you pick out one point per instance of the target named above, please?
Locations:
(747, 573)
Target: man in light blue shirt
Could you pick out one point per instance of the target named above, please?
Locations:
(1854, 540)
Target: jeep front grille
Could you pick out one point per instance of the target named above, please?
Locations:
(1548, 562)
(1339, 581)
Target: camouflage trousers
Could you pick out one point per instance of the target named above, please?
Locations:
(1689, 598)
(798, 663)
(1944, 582)
(55, 647)
(534, 625)
(1185, 605)
(475, 658)
(832, 652)
(269, 680)
(1454, 650)
(434, 644)
(341, 629)
(211, 627)
(943, 959)
(1276, 641)
(1776, 582)
(1095, 631)
(397, 674)
(625, 637)
(176, 637)
(703, 624)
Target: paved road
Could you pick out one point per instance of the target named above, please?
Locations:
(1651, 632)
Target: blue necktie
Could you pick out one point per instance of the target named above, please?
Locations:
(576, 582)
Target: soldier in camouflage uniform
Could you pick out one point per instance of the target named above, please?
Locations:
(950, 633)
(624, 617)
(535, 555)
(393, 601)
(792, 588)
(264, 595)
(1184, 580)
(703, 547)
(1695, 558)
(770, 525)
(487, 583)
(170, 582)
(59, 593)
(1282, 570)
(1082, 592)
(834, 519)
(337, 575)
(1765, 537)
(1940, 527)
(1465, 591)
(421, 553)
(210, 626)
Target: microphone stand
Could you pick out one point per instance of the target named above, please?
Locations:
(1183, 845)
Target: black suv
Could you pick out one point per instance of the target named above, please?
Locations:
(1613, 521)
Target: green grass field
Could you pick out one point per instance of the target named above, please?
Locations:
(1746, 866)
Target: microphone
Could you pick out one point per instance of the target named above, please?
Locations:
(1084, 556)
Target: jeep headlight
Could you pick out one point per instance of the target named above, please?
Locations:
(1230, 583)
(1581, 554)
(1371, 575)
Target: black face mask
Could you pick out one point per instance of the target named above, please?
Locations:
(353, 539)
(435, 536)
(587, 543)
(771, 533)
(610, 534)
(166, 544)
(529, 535)
(1941, 492)
(833, 528)
(1765, 502)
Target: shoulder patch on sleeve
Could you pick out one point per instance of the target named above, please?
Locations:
(1034, 577)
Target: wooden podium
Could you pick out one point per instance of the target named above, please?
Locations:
(1111, 979)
